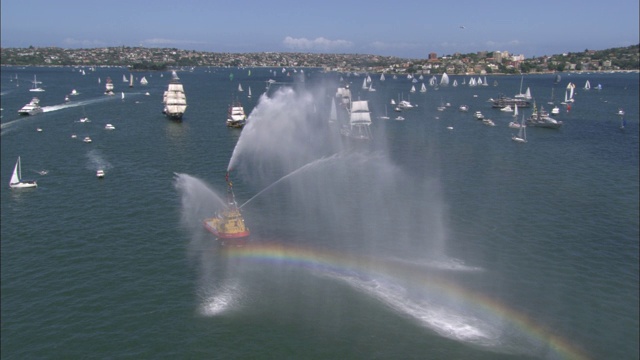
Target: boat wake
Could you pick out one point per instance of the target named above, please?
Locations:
(75, 104)
(97, 161)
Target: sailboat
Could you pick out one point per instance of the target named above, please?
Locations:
(122, 94)
(249, 94)
(522, 133)
(236, 116)
(423, 88)
(144, 81)
(386, 115)
(444, 81)
(515, 111)
(520, 94)
(382, 77)
(364, 84)
(333, 115)
(16, 181)
(174, 99)
(587, 85)
(413, 89)
(623, 124)
(36, 88)
(240, 87)
(124, 78)
(131, 80)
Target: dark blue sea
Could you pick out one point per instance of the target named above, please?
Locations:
(424, 243)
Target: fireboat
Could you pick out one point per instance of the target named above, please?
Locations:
(228, 224)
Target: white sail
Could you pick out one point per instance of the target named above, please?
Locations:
(174, 98)
(432, 81)
(15, 178)
(515, 111)
(144, 81)
(240, 87)
(249, 94)
(413, 89)
(131, 80)
(333, 116)
(360, 113)
(423, 88)
(364, 84)
(587, 85)
(382, 77)
(124, 78)
(444, 81)
(455, 83)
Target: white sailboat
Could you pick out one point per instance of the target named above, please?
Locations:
(249, 94)
(124, 78)
(240, 87)
(144, 81)
(587, 85)
(131, 80)
(382, 77)
(413, 89)
(515, 111)
(522, 133)
(36, 88)
(16, 181)
(364, 84)
(386, 115)
(423, 88)
(444, 81)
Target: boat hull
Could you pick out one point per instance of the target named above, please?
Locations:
(24, 185)
(235, 238)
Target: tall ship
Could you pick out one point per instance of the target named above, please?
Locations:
(108, 87)
(236, 117)
(174, 99)
(359, 121)
(228, 224)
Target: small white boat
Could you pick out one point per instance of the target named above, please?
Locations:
(488, 122)
(109, 127)
(16, 181)
(555, 110)
(87, 139)
(478, 115)
(74, 92)
(399, 118)
(449, 127)
(507, 108)
(464, 108)
(147, 93)
(100, 174)
(620, 112)
(74, 136)
(39, 129)
(66, 98)
(84, 120)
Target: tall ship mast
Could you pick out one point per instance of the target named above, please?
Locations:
(174, 99)
(228, 224)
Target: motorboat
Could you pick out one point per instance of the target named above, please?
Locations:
(32, 108)
(87, 139)
(464, 108)
(100, 174)
(109, 127)
(488, 122)
(478, 115)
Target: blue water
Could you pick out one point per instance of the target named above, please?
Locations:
(535, 245)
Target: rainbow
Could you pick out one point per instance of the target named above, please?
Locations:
(322, 259)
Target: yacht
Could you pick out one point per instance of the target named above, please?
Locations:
(478, 115)
(100, 174)
(109, 127)
(32, 108)
(87, 139)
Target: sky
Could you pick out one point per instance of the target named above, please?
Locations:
(408, 29)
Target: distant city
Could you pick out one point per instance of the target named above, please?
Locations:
(482, 62)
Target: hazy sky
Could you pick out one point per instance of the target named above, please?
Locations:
(409, 29)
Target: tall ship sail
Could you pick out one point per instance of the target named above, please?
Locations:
(359, 121)
(174, 99)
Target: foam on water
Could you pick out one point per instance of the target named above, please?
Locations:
(96, 161)
(221, 299)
